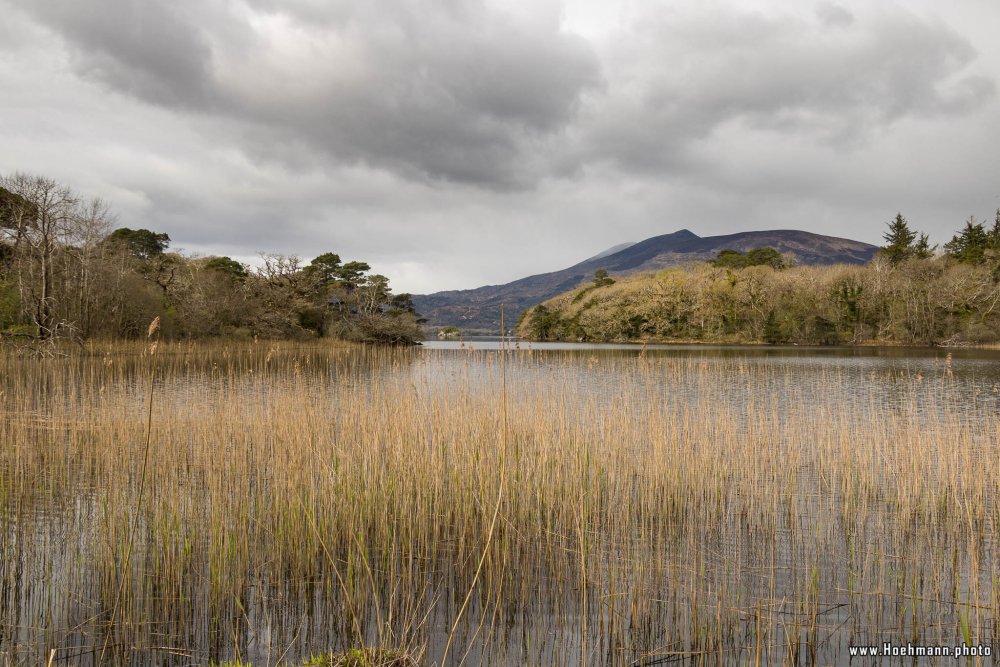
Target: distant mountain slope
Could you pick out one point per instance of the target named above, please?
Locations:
(478, 310)
(612, 250)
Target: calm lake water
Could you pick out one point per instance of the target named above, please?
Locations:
(960, 382)
(48, 600)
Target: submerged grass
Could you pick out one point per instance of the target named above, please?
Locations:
(324, 497)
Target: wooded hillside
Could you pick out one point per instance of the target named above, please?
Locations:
(905, 295)
(67, 272)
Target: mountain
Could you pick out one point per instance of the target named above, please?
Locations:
(478, 310)
(612, 250)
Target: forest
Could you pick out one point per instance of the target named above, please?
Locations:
(909, 294)
(67, 272)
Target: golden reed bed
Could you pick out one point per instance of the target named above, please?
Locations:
(300, 498)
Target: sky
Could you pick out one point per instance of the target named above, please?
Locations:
(458, 143)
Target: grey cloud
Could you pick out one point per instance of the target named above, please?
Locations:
(146, 49)
(16, 34)
(684, 79)
(459, 146)
(834, 16)
(315, 12)
(453, 91)
(460, 95)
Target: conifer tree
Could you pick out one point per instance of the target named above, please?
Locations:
(900, 241)
(969, 245)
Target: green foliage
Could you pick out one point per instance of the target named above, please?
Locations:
(766, 257)
(542, 322)
(227, 266)
(140, 243)
(449, 333)
(327, 270)
(734, 259)
(324, 269)
(973, 243)
(772, 331)
(64, 273)
(313, 319)
(825, 331)
(729, 258)
(921, 301)
(902, 243)
(601, 278)
(634, 326)
(10, 305)
(401, 304)
(850, 296)
(923, 249)
(899, 239)
(339, 300)
(350, 274)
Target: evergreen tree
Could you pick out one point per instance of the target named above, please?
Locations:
(923, 248)
(324, 269)
(141, 243)
(900, 241)
(351, 275)
(994, 241)
(227, 266)
(969, 246)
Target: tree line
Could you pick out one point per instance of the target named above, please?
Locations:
(66, 271)
(910, 293)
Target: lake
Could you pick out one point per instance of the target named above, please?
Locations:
(505, 504)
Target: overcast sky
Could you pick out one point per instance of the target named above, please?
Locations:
(456, 143)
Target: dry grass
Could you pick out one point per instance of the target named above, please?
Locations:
(313, 498)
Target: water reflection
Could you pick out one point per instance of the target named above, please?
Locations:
(696, 557)
(938, 384)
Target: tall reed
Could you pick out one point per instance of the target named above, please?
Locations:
(328, 497)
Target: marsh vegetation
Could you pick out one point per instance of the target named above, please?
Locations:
(650, 507)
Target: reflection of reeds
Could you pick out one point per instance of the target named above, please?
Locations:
(154, 328)
(502, 475)
(290, 484)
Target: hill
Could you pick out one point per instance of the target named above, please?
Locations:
(478, 310)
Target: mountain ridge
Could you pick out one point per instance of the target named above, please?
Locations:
(477, 310)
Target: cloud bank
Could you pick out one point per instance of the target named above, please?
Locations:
(459, 143)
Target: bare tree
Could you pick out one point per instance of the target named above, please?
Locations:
(38, 220)
(86, 258)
